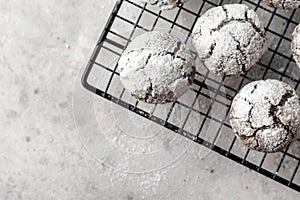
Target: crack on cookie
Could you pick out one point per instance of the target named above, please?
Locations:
(275, 108)
(210, 52)
(190, 73)
(276, 120)
(163, 53)
(272, 112)
(245, 138)
(149, 91)
(264, 127)
(257, 29)
(145, 64)
(250, 114)
(179, 43)
(289, 94)
(249, 41)
(225, 11)
(247, 19)
(250, 117)
(173, 54)
(254, 88)
(239, 48)
(147, 60)
(223, 22)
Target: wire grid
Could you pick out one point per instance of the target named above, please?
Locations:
(277, 63)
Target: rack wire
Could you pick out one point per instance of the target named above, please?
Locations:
(277, 63)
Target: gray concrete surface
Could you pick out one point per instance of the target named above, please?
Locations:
(44, 46)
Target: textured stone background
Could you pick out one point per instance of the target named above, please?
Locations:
(43, 47)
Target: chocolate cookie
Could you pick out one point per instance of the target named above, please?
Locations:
(229, 39)
(265, 115)
(156, 68)
(284, 4)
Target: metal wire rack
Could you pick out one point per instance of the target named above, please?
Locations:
(282, 167)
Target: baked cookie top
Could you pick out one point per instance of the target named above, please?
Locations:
(229, 39)
(265, 115)
(157, 67)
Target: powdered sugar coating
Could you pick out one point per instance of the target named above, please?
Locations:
(296, 44)
(229, 39)
(284, 4)
(156, 68)
(265, 115)
(165, 4)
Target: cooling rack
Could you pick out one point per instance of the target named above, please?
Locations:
(277, 63)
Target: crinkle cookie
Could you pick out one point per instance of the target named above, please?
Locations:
(296, 44)
(157, 68)
(229, 39)
(265, 115)
(284, 4)
(165, 4)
